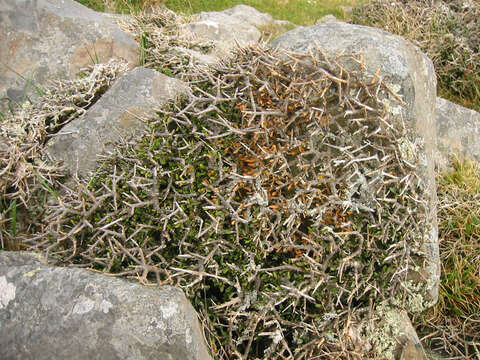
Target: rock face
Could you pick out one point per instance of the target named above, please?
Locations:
(133, 97)
(66, 313)
(458, 133)
(240, 25)
(45, 39)
(410, 74)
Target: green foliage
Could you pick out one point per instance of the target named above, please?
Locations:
(93, 4)
(119, 6)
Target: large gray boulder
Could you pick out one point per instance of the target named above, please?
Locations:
(67, 313)
(410, 74)
(118, 114)
(42, 40)
(240, 25)
(223, 30)
(458, 133)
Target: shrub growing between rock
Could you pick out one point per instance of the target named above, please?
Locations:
(279, 197)
(25, 178)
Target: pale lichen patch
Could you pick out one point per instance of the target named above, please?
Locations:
(408, 150)
(105, 306)
(85, 305)
(188, 336)
(416, 301)
(383, 335)
(7, 292)
(32, 272)
(170, 309)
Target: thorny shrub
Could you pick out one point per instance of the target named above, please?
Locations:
(24, 133)
(277, 196)
(447, 31)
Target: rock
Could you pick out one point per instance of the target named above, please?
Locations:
(410, 74)
(8, 258)
(249, 15)
(198, 57)
(68, 313)
(223, 30)
(458, 133)
(241, 25)
(118, 113)
(411, 348)
(47, 39)
(327, 18)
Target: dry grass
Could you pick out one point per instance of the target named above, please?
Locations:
(452, 327)
(447, 31)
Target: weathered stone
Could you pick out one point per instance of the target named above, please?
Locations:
(223, 30)
(249, 15)
(118, 114)
(409, 74)
(68, 313)
(458, 133)
(237, 26)
(240, 25)
(46, 39)
(20, 258)
(327, 18)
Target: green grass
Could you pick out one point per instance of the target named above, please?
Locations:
(459, 216)
(300, 12)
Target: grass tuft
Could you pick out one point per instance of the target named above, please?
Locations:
(452, 327)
